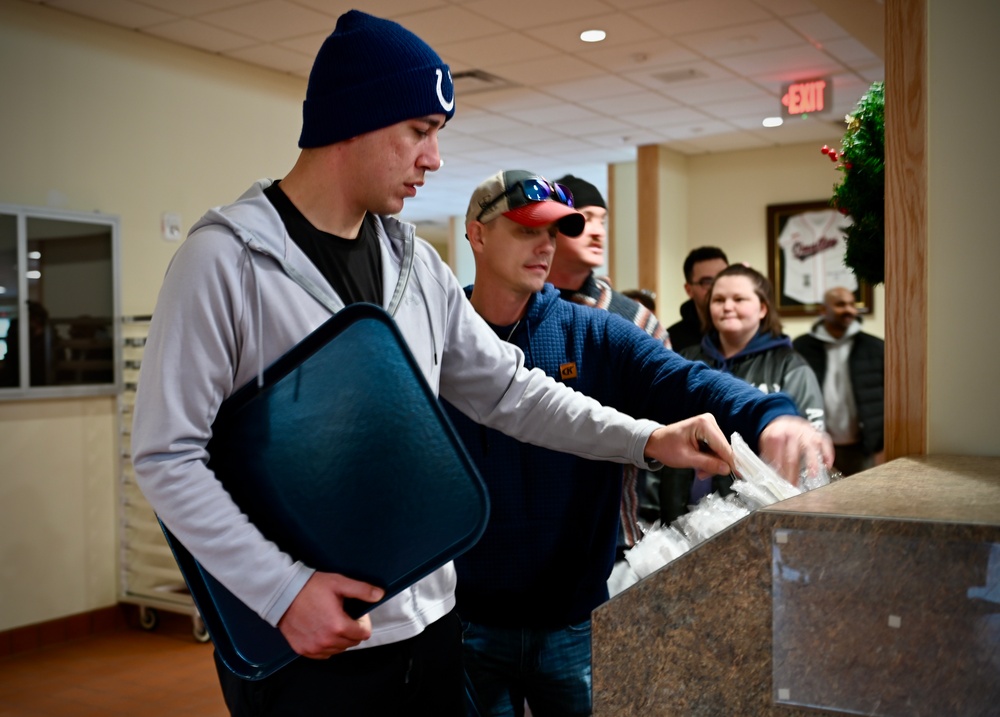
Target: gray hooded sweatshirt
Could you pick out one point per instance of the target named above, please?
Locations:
(238, 294)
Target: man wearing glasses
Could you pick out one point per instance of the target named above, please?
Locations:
(526, 589)
(700, 268)
(573, 274)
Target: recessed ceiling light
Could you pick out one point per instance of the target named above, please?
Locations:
(593, 35)
(773, 122)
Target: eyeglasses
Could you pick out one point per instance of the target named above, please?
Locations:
(531, 190)
(705, 282)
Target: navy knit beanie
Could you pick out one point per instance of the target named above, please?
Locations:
(371, 73)
(585, 194)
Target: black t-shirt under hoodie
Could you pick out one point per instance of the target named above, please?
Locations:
(352, 266)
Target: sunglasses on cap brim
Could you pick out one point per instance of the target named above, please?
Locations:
(530, 190)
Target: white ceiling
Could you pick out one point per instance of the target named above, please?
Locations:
(695, 75)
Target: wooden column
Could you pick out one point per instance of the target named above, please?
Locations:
(906, 293)
(611, 248)
(648, 195)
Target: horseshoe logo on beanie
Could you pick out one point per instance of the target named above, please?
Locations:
(448, 105)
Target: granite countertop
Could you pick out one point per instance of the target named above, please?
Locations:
(962, 489)
(881, 578)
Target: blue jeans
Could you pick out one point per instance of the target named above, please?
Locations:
(550, 669)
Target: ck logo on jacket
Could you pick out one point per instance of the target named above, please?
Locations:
(567, 371)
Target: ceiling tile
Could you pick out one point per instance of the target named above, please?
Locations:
(482, 123)
(498, 49)
(806, 131)
(307, 44)
(622, 31)
(501, 158)
(549, 115)
(501, 101)
(594, 87)
(741, 39)
(785, 65)
(851, 52)
(391, 9)
(561, 68)
(699, 93)
(784, 8)
(644, 55)
(200, 35)
(450, 24)
(274, 57)
(524, 14)
(803, 126)
(686, 16)
(641, 102)
(817, 27)
(694, 130)
(658, 78)
(730, 142)
(618, 140)
(564, 146)
(594, 125)
(756, 109)
(524, 135)
(632, 4)
(849, 86)
(451, 142)
(657, 120)
(271, 20)
(874, 73)
(119, 12)
(192, 8)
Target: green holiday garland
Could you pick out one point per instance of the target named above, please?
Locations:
(861, 192)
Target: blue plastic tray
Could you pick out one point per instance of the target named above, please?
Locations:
(347, 462)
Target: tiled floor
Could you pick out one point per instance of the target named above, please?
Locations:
(129, 673)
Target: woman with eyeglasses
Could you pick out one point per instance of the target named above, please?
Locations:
(744, 338)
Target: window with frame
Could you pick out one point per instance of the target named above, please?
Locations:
(59, 312)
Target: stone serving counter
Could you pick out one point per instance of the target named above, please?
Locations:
(876, 595)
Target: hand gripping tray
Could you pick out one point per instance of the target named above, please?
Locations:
(347, 462)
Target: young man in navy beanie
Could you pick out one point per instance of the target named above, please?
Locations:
(256, 277)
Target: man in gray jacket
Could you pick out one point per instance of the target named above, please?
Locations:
(257, 276)
(850, 366)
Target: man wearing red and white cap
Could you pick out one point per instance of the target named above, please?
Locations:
(526, 589)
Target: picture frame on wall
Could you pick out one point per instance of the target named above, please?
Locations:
(805, 257)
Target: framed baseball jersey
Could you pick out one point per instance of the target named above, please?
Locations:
(806, 246)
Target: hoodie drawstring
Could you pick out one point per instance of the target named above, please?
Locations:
(430, 322)
(260, 314)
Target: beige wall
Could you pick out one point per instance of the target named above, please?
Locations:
(963, 260)
(721, 200)
(624, 226)
(96, 118)
(57, 508)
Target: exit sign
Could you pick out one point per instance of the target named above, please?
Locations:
(806, 98)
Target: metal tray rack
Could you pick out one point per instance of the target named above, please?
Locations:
(149, 576)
